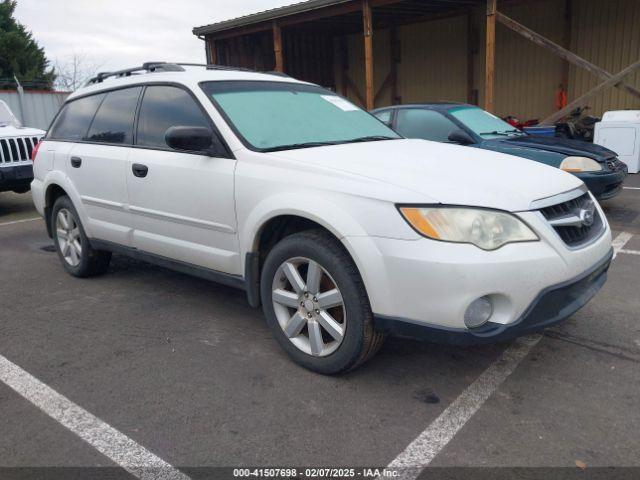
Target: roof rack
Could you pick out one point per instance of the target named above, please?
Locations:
(150, 67)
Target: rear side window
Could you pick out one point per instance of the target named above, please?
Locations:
(164, 107)
(73, 121)
(425, 124)
(114, 121)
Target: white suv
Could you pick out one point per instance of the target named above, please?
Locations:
(16, 148)
(342, 230)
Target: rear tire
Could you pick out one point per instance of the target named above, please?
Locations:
(72, 245)
(326, 324)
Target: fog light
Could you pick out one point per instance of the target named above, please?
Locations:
(478, 313)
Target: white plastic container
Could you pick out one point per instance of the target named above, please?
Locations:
(619, 131)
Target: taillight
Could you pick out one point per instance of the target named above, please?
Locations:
(34, 152)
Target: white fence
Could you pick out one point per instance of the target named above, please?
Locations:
(34, 108)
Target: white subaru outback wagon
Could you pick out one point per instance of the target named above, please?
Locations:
(342, 230)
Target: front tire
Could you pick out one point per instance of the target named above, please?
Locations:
(72, 245)
(316, 304)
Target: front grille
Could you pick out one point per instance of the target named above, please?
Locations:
(566, 220)
(16, 149)
(616, 165)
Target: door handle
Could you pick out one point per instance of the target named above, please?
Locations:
(76, 162)
(139, 170)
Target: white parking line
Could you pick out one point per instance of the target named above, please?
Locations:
(20, 221)
(134, 458)
(419, 454)
(439, 433)
(631, 188)
(629, 252)
(619, 242)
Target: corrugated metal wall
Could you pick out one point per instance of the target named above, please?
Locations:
(37, 109)
(434, 57)
(434, 61)
(526, 75)
(606, 33)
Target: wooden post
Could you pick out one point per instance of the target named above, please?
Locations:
(368, 54)
(277, 47)
(490, 55)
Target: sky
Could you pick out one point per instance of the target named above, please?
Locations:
(116, 34)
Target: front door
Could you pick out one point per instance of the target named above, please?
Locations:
(182, 204)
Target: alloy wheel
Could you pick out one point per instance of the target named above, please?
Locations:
(68, 235)
(309, 306)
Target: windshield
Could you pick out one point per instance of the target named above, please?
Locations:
(6, 116)
(270, 116)
(483, 123)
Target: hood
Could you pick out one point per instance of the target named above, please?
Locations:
(443, 173)
(562, 146)
(11, 131)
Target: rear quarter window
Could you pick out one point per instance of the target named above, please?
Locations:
(74, 119)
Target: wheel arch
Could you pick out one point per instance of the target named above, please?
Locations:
(56, 186)
(266, 226)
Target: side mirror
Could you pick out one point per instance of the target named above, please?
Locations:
(192, 139)
(461, 137)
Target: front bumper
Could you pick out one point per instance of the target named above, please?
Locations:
(15, 177)
(552, 305)
(430, 284)
(604, 185)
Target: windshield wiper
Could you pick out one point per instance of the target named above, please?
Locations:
(293, 146)
(370, 138)
(506, 133)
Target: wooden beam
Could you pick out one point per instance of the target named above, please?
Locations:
(561, 52)
(368, 54)
(383, 87)
(355, 90)
(277, 47)
(490, 45)
(583, 98)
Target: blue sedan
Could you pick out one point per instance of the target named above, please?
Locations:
(598, 167)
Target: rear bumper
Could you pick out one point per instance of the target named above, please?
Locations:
(15, 177)
(604, 185)
(551, 305)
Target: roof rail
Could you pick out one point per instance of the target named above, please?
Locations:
(150, 67)
(146, 67)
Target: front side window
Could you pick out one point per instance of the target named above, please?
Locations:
(164, 107)
(425, 124)
(73, 121)
(114, 121)
(270, 116)
(483, 123)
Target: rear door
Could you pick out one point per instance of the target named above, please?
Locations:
(97, 165)
(182, 203)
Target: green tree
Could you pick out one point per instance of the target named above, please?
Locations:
(20, 54)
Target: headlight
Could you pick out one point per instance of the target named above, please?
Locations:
(580, 164)
(486, 229)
